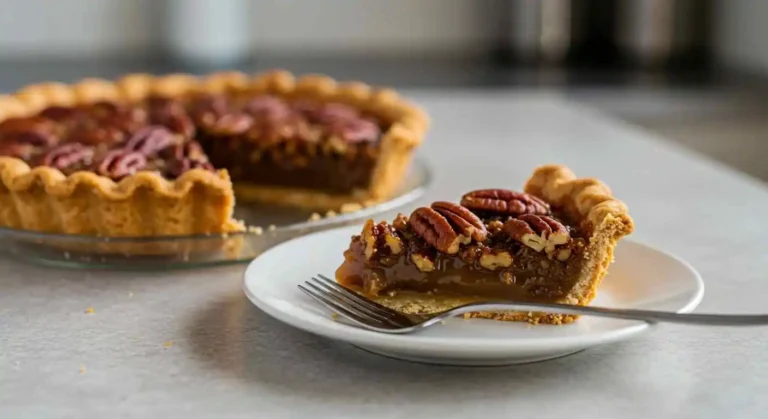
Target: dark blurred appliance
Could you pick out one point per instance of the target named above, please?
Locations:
(603, 33)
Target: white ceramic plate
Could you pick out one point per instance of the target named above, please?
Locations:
(641, 277)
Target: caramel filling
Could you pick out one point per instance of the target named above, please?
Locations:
(500, 270)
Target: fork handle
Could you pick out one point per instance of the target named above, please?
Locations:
(649, 316)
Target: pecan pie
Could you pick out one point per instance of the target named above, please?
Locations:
(146, 156)
(551, 243)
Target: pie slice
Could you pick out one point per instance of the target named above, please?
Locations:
(552, 243)
(155, 156)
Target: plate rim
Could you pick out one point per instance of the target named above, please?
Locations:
(358, 336)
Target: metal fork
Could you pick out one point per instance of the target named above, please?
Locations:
(371, 315)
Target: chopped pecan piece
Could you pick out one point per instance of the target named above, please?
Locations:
(494, 259)
(504, 202)
(380, 240)
(537, 232)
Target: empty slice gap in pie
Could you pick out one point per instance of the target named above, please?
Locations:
(151, 156)
(552, 243)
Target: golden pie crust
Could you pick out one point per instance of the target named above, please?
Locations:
(199, 201)
(590, 205)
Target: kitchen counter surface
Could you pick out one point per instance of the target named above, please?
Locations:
(189, 344)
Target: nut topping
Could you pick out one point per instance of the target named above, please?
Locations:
(268, 107)
(60, 113)
(435, 229)
(231, 124)
(68, 155)
(150, 140)
(537, 232)
(463, 220)
(120, 163)
(495, 259)
(380, 240)
(355, 130)
(36, 131)
(504, 202)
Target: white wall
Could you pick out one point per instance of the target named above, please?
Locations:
(67, 27)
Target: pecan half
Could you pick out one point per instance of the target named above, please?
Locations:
(36, 130)
(355, 130)
(120, 163)
(231, 124)
(170, 114)
(537, 232)
(68, 155)
(435, 229)
(61, 113)
(504, 202)
(464, 222)
(96, 135)
(205, 109)
(150, 140)
(268, 107)
(19, 150)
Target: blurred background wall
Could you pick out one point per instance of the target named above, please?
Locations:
(692, 70)
(67, 28)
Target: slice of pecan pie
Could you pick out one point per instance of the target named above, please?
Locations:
(147, 156)
(552, 243)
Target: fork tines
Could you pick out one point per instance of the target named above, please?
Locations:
(352, 305)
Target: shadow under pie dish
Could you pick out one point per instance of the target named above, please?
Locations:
(158, 156)
(551, 243)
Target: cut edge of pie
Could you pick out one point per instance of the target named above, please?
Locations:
(589, 208)
(197, 202)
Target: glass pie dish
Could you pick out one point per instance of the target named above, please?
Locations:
(275, 225)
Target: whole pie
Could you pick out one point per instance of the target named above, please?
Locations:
(151, 156)
(552, 243)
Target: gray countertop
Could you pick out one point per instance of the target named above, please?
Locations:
(189, 344)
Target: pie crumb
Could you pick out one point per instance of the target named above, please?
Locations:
(89, 310)
(330, 214)
(82, 369)
(256, 230)
(272, 227)
(315, 217)
(168, 344)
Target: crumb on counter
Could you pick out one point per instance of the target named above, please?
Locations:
(256, 230)
(272, 227)
(82, 369)
(89, 310)
(168, 344)
(315, 217)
